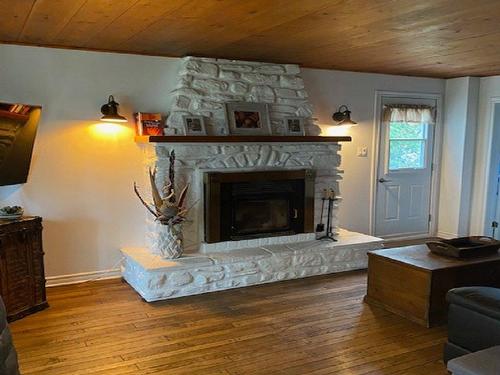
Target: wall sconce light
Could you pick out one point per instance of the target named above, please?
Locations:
(343, 116)
(110, 111)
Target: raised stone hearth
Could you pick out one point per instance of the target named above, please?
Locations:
(157, 279)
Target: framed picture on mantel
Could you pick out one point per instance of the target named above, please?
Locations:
(248, 118)
(194, 125)
(294, 126)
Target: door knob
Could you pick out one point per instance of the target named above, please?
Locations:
(382, 180)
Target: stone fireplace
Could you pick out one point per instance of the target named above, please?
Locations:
(206, 84)
(197, 163)
(254, 205)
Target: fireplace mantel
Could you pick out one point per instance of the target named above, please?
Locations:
(239, 139)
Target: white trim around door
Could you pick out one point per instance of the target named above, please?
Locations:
(436, 157)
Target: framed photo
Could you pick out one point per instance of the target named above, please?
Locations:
(194, 125)
(294, 126)
(248, 118)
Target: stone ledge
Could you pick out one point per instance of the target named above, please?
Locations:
(152, 262)
(156, 279)
(230, 246)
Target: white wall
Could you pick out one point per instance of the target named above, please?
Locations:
(493, 203)
(460, 119)
(81, 181)
(330, 89)
(484, 170)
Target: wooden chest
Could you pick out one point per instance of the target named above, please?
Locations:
(412, 282)
(22, 276)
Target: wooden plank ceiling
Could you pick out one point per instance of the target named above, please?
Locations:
(438, 38)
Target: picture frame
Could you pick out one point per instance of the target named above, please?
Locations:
(194, 125)
(245, 118)
(294, 126)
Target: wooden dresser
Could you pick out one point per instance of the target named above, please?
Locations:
(22, 276)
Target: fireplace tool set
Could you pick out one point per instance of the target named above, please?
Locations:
(328, 196)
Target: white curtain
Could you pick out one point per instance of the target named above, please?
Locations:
(420, 114)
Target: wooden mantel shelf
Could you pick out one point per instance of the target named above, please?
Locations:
(239, 139)
(13, 116)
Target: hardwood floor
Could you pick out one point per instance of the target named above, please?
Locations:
(317, 325)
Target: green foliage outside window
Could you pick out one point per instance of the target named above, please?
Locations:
(407, 144)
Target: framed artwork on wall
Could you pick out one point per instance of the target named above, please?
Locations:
(194, 125)
(248, 118)
(294, 126)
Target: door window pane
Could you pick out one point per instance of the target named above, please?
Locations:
(407, 145)
(405, 130)
(406, 154)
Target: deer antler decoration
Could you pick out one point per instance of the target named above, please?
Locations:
(167, 209)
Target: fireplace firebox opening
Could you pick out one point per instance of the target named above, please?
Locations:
(248, 205)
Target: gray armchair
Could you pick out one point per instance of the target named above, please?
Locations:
(473, 320)
(8, 355)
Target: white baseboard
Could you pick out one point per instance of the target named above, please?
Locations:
(83, 277)
(447, 235)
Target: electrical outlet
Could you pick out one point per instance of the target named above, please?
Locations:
(362, 152)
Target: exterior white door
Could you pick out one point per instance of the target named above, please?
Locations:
(404, 173)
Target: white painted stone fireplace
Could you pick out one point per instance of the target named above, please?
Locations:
(204, 86)
(194, 160)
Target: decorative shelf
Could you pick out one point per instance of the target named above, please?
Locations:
(13, 116)
(238, 139)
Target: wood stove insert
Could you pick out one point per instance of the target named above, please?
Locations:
(247, 205)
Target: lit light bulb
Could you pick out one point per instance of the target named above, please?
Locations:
(109, 130)
(335, 130)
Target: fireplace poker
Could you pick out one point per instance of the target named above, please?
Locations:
(330, 196)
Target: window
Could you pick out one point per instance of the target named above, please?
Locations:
(407, 145)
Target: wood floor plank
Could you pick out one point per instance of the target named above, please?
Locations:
(316, 325)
